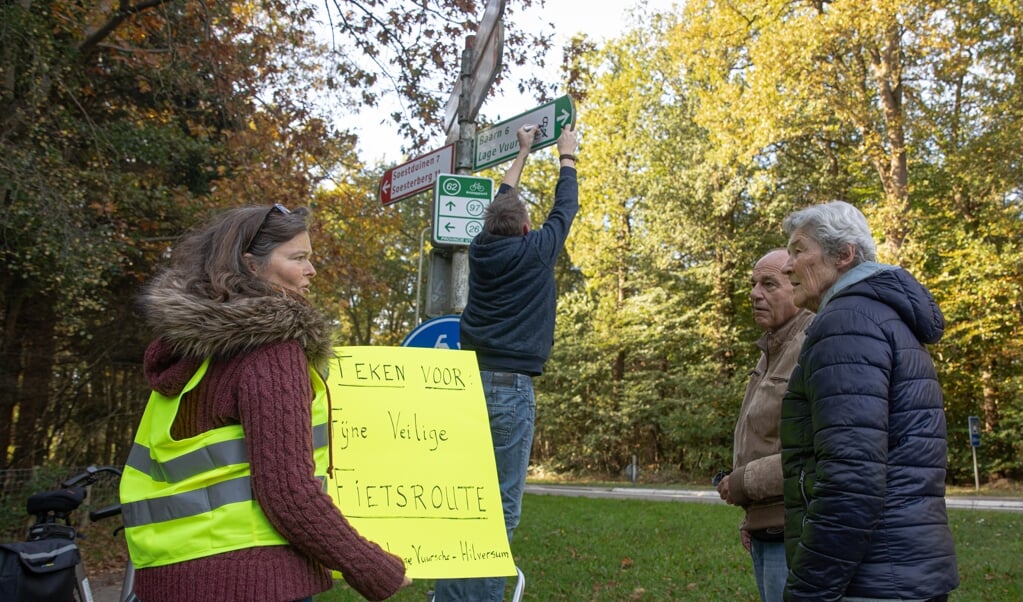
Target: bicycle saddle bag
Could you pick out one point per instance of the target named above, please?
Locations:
(32, 571)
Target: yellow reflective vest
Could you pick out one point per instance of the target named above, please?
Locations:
(192, 498)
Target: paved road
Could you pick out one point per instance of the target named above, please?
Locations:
(108, 587)
(711, 497)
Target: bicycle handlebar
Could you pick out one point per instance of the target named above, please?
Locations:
(107, 512)
(90, 476)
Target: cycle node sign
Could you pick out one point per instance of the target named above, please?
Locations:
(458, 205)
(499, 142)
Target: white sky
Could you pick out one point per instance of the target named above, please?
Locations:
(599, 19)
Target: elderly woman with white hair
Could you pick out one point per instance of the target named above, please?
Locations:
(864, 447)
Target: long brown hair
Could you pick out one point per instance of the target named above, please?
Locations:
(210, 262)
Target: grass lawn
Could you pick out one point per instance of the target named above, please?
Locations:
(575, 548)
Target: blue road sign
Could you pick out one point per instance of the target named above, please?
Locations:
(438, 333)
(974, 431)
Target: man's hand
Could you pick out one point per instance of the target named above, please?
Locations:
(568, 141)
(724, 491)
(526, 135)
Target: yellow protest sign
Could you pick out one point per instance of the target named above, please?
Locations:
(413, 460)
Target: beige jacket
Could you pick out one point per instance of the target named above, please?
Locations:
(756, 479)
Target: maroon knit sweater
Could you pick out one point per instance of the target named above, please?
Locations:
(267, 390)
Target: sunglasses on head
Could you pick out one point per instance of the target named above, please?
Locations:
(276, 207)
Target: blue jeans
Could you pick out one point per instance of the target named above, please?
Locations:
(770, 568)
(511, 406)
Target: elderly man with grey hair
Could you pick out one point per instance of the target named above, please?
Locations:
(755, 482)
(864, 447)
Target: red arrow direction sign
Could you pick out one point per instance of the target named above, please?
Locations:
(418, 175)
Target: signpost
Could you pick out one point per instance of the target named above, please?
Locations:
(415, 176)
(458, 206)
(499, 143)
(974, 422)
(486, 63)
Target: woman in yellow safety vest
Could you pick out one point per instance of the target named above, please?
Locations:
(223, 491)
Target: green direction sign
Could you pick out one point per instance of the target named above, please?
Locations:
(499, 143)
(458, 206)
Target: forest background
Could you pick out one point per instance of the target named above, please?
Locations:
(124, 123)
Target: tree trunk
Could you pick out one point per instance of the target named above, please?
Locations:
(10, 368)
(893, 167)
(35, 332)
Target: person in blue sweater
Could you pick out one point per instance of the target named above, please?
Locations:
(863, 436)
(508, 321)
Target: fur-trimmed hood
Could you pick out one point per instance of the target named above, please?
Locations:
(196, 328)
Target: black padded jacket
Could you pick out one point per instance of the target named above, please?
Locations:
(864, 449)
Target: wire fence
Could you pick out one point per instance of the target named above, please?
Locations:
(17, 485)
